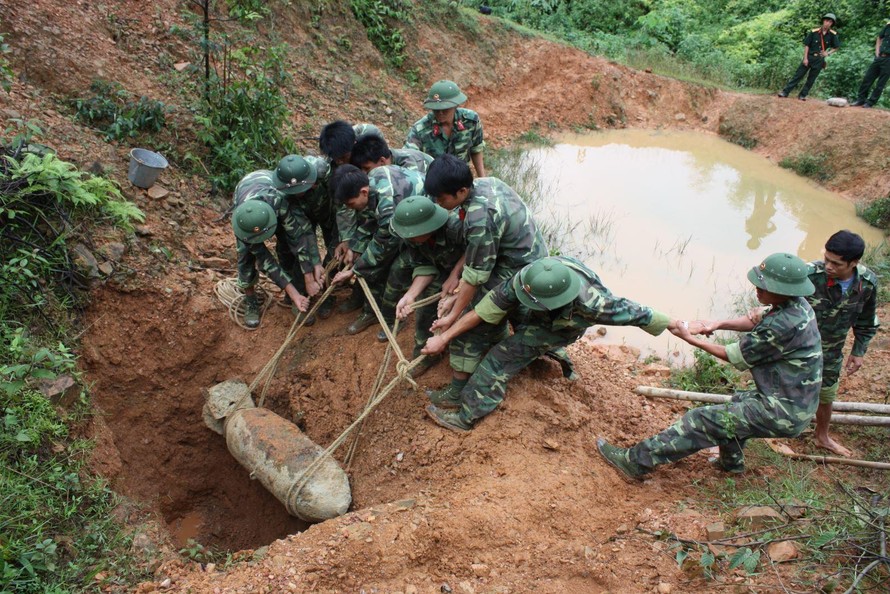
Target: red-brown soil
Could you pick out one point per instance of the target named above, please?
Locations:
(522, 503)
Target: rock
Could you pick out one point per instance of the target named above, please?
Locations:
(180, 66)
(411, 589)
(143, 544)
(601, 331)
(166, 583)
(838, 102)
(85, 261)
(622, 529)
(62, 391)
(144, 231)
(480, 569)
(445, 589)
(466, 588)
(549, 444)
(213, 262)
(680, 117)
(664, 588)
(794, 508)
(715, 531)
(157, 192)
(106, 268)
(114, 251)
(260, 552)
(758, 517)
(783, 550)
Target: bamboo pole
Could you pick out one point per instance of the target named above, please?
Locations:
(783, 449)
(869, 407)
(649, 392)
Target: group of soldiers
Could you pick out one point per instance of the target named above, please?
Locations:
(823, 41)
(415, 221)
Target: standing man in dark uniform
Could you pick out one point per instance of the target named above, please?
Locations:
(819, 43)
(879, 69)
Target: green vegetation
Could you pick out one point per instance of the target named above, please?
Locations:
(113, 110)
(877, 213)
(753, 44)
(706, 374)
(743, 138)
(57, 531)
(379, 18)
(6, 74)
(815, 167)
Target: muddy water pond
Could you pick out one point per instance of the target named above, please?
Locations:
(675, 220)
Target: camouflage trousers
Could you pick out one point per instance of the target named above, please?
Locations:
(401, 275)
(832, 363)
(290, 263)
(728, 426)
(487, 386)
(378, 280)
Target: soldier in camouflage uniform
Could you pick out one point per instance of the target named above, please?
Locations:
(501, 236)
(371, 151)
(263, 209)
(878, 70)
(336, 142)
(434, 243)
(449, 129)
(373, 246)
(818, 44)
(784, 354)
(845, 298)
(550, 304)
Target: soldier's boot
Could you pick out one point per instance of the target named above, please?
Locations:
(326, 309)
(355, 300)
(731, 460)
(428, 363)
(450, 419)
(366, 319)
(381, 335)
(718, 464)
(251, 311)
(619, 458)
(857, 103)
(447, 397)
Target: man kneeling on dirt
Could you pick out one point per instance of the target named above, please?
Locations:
(434, 245)
(263, 209)
(550, 304)
(372, 246)
(783, 352)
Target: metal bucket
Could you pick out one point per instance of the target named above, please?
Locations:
(145, 167)
(276, 452)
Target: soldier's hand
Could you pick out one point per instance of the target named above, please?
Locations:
(403, 308)
(302, 303)
(349, 258)
(340, 250)
(450, 285)
(853, 364)
(342, 276)
(806, 62)
(680, 329)
(442, 324)
(434, 345)
(312, 286)
(446, 304)
(319, 275)
(701, 327)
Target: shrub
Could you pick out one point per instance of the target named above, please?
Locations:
(378, 18)
(706, 374)
(877, 213)
(812, 166)
(112, 110)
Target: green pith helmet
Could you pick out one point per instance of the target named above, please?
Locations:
(254, 221)
(444, 94)
(830, 15)
(782, 274)
(417, 215)
(546, 284)
(294, 175)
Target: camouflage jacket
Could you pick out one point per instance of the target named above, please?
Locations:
(317, 208)
(292, 226)
(595, 304)
(500, 232)
(373, 238)
(411, 159)
(837, 313)
(466, 135)
(784, 353)
(440, 252)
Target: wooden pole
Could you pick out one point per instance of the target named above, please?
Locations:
(648, 391)
(783, 449)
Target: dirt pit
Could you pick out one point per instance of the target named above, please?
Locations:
(528, 477)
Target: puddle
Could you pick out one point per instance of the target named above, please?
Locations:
(186, 528)
(675, 220)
